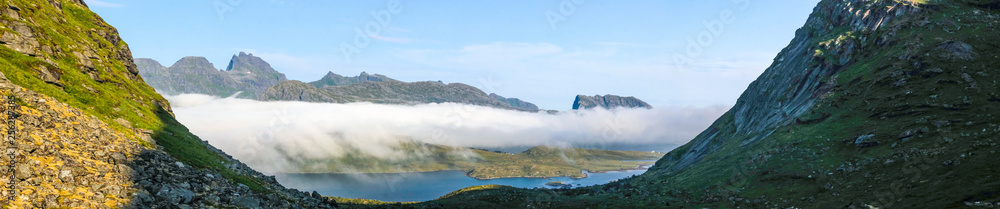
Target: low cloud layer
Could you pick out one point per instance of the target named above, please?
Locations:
(267, 134)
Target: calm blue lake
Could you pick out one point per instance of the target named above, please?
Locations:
(421, 186)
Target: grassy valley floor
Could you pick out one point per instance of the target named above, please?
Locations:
(537, 162)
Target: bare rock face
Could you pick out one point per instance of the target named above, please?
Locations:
(608, 102)
(802, 73)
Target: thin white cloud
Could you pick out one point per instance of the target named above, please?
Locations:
(97, 3)
(392, 39)
(606, 68)
(255, 132)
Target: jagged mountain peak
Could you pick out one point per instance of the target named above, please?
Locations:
(147, 61)
(333, 79)
(195, 74)
(247, 62)
(194, 61)
(330, 74)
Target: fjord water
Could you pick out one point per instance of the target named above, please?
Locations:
(422, 186)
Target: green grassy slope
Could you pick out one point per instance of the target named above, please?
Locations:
(96, 74)
(541, 161)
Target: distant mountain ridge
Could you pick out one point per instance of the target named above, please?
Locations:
(516, 103)
(333, 79)
(608, 102)
(245, 73)
(256, 79)
(388, 92)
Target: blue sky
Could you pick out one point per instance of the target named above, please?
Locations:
(544, 52)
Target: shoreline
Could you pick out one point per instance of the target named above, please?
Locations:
(585, 175)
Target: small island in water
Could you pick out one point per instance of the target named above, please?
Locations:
(536, 162)
(559, 184)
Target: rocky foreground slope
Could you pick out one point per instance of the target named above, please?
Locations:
(873, 104)
(89, 133)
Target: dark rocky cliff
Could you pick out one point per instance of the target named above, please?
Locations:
(873, 104)
(804, 72)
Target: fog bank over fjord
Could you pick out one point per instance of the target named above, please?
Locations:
(267, 135)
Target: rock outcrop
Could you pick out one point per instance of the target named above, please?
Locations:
(608, 102)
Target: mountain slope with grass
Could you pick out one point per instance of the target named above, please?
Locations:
(90, 133)
(537, 162)
(873, 104)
